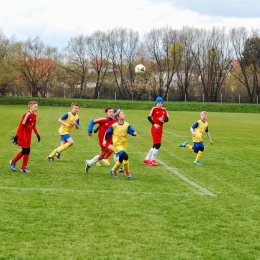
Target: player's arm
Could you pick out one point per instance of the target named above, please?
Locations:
(209, 137)
(77, 124)
(36, 132)
(60, 120)
(150, 120)
(131, 131)
(193, 127)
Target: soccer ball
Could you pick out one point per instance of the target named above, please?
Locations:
(140, 69)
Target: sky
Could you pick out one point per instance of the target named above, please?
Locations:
(56, 21)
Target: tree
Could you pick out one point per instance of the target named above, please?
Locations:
(77, 61)
(165, 53)
(37, 66)
(246, 48)
(212, 55)
(124, 45)
(8, 58)
(99, 55)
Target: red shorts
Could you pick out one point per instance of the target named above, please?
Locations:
(104, 147)
(157, 136)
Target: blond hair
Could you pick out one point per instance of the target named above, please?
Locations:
(32, 103)
(74, 104)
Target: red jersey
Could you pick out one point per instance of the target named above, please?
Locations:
(24, 131)
(104, 124)
(157, 113)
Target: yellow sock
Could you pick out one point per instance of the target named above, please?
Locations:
(198, 156)
(116, 166)
(63, 148)
(126, 165)
(53, 153)
(189, 147)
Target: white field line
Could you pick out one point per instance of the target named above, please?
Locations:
(88, 191)
(192, 183)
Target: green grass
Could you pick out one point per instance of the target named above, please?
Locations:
(173, 211)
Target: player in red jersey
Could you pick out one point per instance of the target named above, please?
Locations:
(157, 117)
(24, 135)
(104, 124)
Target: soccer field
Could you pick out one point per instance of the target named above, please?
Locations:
(173, 211)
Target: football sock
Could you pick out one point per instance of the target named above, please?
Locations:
(107, 155)
(17, 157)
(63, 148)
(154, 154)
(116, 166)
(189, 147)
(53, 153)
(126, 165)
(25, 160)
(199, 154)
(149, 155)
(94, 160)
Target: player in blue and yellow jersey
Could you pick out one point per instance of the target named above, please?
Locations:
(157, 117)
(197, 131)
(119, 131)
(67, 122)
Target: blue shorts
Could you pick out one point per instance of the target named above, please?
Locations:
(65, 137)
(198, 147)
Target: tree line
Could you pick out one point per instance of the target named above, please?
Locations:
(183, 64)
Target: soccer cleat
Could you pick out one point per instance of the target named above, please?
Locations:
(121, 169)
(51, 159)
(87, 166)
(197, 163)
(57, 154)
(183, 144)
(105, 161)
(98, 164)
(12, 165)
(128, 175)
(153, 163)
(25, 170)
(114, 174)
(147, 162)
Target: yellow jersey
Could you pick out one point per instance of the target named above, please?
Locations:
(68, 118)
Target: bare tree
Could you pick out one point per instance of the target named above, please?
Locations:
(185, 73)
(165, 53)
(246, 48)
(124, 44)
(212, 55)
(99, 55)
(77, 61)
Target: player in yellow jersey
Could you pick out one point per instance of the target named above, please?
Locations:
(67, 121)
(197, 131)
(119, 131)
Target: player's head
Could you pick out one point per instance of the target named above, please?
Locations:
(33, 106)
(109, 111)
(159, 101)
(203, 115)
(115, 109)
(120, 115)
(74, 107)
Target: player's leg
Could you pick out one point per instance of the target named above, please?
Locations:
(15, 160)
(26, 155)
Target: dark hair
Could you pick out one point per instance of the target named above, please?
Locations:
(108, 108)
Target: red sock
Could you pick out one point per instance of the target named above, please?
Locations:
(107, 155)
(17, 157)
(25, 161)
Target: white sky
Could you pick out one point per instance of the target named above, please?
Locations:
(56, 21)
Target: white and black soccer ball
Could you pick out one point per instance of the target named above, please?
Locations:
(140, 69)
